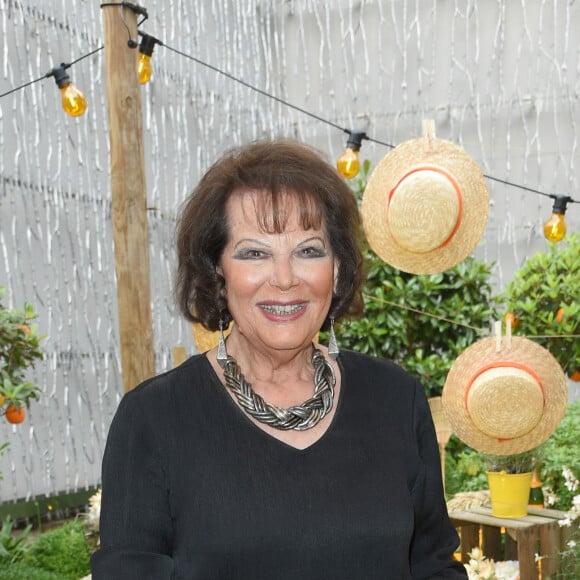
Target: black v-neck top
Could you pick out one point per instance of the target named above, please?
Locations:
(193, 489)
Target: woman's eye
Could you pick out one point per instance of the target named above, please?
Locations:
(250, 254)
(312, 252)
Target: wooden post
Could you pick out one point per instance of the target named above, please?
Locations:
(129, 196)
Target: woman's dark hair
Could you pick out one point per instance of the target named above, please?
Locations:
(277, 168)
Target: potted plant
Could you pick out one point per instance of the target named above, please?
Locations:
(509, 478)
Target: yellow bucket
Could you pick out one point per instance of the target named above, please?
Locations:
(509, 493)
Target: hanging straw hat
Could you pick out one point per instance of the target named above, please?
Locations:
(425, 205)
(504, 399)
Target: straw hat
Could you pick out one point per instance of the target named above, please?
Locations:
(425, 205)
(505, 398)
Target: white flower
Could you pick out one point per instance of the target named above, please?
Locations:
(480, 567)
(94, 512)
(549, 497)
(509, 570)
(570, 479)
(564, 522)
(571, 544)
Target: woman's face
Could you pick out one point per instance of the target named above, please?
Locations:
(279, 285)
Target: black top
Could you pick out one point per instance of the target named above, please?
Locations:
(192, 488)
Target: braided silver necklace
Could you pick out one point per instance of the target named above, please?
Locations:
(298, 417)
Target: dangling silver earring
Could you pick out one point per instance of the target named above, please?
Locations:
(222, 353)
(333, 349)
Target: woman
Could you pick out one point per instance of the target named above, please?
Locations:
(270, 456)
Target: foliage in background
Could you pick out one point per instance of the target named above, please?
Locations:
(570, 555)
(61, 550)
(515, 463)
(560, 469)
(421, 322)
(464, 469)
(57, 554)
(19, 350)
(13, 544)
(544, 298)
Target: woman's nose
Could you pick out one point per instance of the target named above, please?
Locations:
(283, 275)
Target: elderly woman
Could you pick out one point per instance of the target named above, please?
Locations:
(273, 457)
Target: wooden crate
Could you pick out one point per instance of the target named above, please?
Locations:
(514, 538)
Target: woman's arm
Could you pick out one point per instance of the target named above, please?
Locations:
(435, 539)
(135, 526)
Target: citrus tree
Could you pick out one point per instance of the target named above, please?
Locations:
(19, 350)
(543, 301)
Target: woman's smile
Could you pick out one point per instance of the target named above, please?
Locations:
(283, 312)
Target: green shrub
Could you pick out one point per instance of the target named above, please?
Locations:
(560, 468)
(422, 323)
(13, 545)
(464, 469)
(61, 550)
(22, 571)
(547, 282)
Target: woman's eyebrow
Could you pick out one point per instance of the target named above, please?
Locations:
(313, 239)
(250, 241)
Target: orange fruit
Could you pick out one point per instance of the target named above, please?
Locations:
(560, 315)
(15, 414)
(511, 317)
(575, 376)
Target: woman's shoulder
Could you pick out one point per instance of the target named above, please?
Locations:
(194, 371)
(366, 365)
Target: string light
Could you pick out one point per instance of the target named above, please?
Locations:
(146, 47)
(73, 101)
(348, 163)
(555, 227)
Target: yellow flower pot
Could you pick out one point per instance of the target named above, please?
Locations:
(509, 493)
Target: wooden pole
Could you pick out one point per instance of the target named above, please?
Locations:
(129, 196)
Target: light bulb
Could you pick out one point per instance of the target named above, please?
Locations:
(555, 227)
(144, 68)
(146, 47)
(73, 101)
(348, 163)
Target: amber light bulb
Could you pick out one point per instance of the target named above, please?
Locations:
(144, 68)
(73, 101)
(348, 163)
(555, 227)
